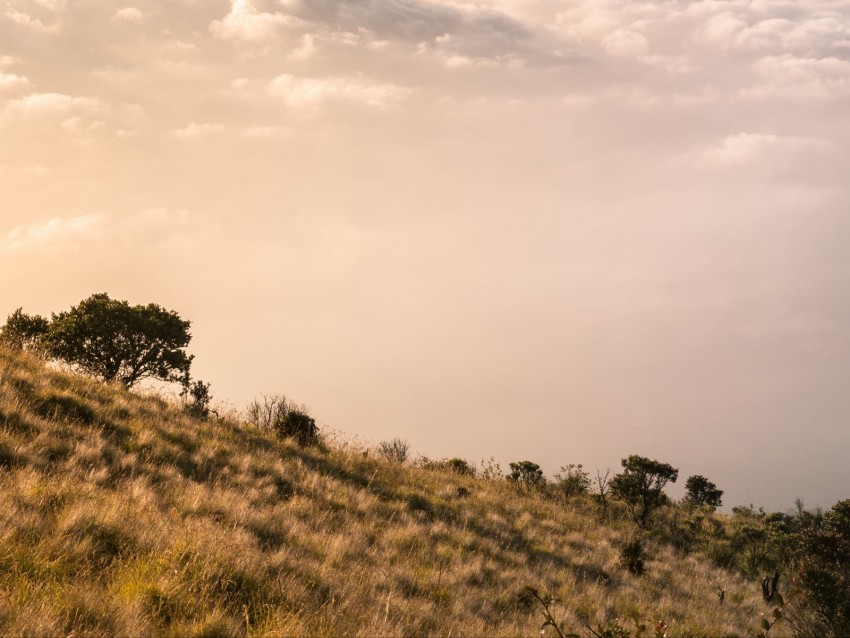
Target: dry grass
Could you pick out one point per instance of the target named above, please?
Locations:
(121, 515)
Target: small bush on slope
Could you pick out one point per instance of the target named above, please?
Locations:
(141, 520)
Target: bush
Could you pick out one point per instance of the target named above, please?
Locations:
(395, 451)
(527, 475)
(23, 331)
(298, 425)
(699, 491)
(197, 398)
(824, 577)
(460, 466)
(572, 481)
(640, 486)
(267, 413)
(633, 557)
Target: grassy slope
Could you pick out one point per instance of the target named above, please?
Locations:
(118, 514)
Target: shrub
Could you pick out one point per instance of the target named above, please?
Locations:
(23, 331)
(298, 425)
(460, 466)
(824, 576)
(268, 412)
(395, 451)
(633, 557)
(197, 398)
(572, 481)
(640, 486)
(699, 491)
(528, 475)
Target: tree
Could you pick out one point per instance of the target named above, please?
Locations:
(700, 491)
(23, 331)
(526, 474)
(823, 576)
(640, 486)
(115, 341)
(572, 481)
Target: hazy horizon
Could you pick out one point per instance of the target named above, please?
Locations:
(557, 231)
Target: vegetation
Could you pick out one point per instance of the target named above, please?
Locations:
(526, 475)
(24, 332)
(131, 514)
(115, 341)
(108, 339)
(395, 451)
(298, 426)
(124, 515)
(699, 491)
(572, 481)
(633, 556)
(641, 486)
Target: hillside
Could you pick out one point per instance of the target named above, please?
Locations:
(122, 515)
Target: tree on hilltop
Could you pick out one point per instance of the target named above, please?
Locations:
(641, 486)
(700, 491)
(115, 341)
(23, 332)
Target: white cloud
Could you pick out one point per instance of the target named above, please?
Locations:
(12, 81)
(54, 232)
(36, 24)
(807, 78)
(129, 14)
(194, 131)
(312, 92)
(307, 48)
(625, 42)
(770, 149)
(245, 22)
(37, 103)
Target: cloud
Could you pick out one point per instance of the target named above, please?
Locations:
(790, 76)
(307, 48)
(129, 14)
(267, 132)
(37, 103)
(11, 81)
(313, 92)
(625, 42)
(245, 22)
(751, 148)
(54, 232)
(194, 131)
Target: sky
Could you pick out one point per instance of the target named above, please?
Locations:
(562, 231)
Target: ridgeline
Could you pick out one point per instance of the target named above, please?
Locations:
(122, 514)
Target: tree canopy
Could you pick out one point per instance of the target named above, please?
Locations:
(641, 485)
(700, 491)
(22, 331)
(115, 341)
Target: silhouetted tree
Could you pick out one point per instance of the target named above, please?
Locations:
(824, 576)
(640, 486)
(115, 341)
(700, 491)
(197, 397)
(526, 474)
(24, 332)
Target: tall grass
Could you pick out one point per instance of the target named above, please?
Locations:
(120, 514)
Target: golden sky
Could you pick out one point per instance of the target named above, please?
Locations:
(564, 231)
